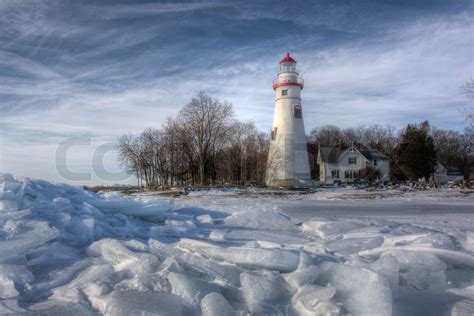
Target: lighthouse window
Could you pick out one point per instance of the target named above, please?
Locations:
(297, 111)
(284, 92)
(274, 133)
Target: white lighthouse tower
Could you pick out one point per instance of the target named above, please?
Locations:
(288, 164)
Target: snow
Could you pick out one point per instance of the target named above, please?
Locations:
(262, 219)
(190, 289)
(327, 229)
(362, 292)
(145, 303)
(216, 304)
(64, 250)
(264, 291)
(251, 258)
(315, 300)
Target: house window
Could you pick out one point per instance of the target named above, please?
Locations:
(352, 160)
(274, 133)
(297, 111)
(351, 174)
(355, 174)
(375, 162)
(335, 174)
(284, 92)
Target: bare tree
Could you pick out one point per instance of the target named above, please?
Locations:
(468, 90)
(455, 149)
(328, 135)
(206, 121)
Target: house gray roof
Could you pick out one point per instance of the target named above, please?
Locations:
(332, 154)
(453, 171)
(372, 154)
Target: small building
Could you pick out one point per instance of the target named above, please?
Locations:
(347, 165)
(443, 175)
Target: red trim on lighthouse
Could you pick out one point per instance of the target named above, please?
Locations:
(299, 83)
(287, 59)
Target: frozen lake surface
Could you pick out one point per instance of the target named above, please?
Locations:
(333, 252)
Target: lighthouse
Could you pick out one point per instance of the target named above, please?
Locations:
(288, 164)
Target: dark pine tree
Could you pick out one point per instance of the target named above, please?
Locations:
(415, 156)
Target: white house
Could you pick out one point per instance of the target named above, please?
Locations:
(346, 165)
(444, 175)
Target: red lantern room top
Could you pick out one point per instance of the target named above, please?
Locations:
(287, 59)
(288, 75)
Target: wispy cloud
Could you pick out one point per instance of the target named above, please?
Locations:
(75, 69)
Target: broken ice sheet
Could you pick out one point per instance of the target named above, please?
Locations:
(83, 259)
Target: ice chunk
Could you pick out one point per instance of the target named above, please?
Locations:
(114, 202)
(190, 289)
(437, 240)
(16, 215)
(10, 307)
(253, 258)
(463, 308)
(122, 258)
(229, 275)
(353, 245)
(456, 258)
(217, 235)
(409, 260)
(265, 291)
(327, 229)
(303, 276)
(214, 304)
(363, 292)
(60, 276)
(188, 224)
(327, 308)
(94, 273)
(465, 238)
(146, 303)
(426, 280)
(177, 228)
(305, 261)
(83, 231)
(7, 288)
(461, 278)
(170, 265)
(56, 252)
(313, 299)
(58, 307)
(262, 220)
(422, 271)
(205, 219)
(24, 235)
(388, 267)
(13, 278)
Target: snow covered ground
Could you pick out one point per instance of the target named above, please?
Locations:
(334, 252)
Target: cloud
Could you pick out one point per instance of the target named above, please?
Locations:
(147, 9)
(72, 69)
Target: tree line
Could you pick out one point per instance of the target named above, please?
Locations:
(414, 150)
(205, 144)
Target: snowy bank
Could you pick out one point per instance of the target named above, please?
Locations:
(66, 251)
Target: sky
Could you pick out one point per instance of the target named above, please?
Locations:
(75, 75)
